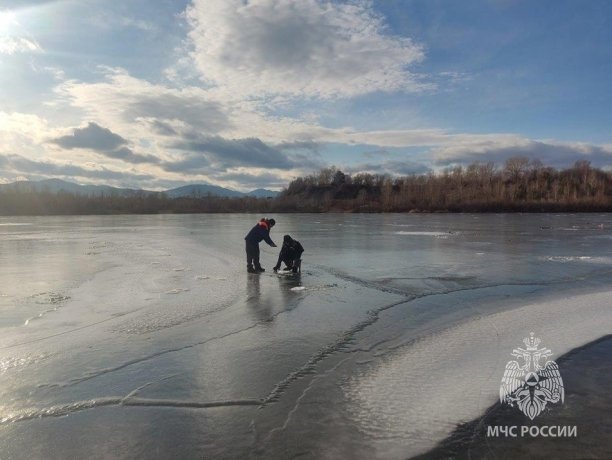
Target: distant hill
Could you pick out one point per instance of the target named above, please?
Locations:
(58, 185)
(194, 190)
(263, 193)
(201, 190)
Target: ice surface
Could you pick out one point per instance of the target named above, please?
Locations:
(149, 329)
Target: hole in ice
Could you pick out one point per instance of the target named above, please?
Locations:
(52, 298)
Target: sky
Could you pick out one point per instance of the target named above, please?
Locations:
(248, 94)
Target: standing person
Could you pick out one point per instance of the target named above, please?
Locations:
(290, 253)
(261, 231)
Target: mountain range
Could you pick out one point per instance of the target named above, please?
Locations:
(193, 190)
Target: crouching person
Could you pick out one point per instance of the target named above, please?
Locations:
(290, 254)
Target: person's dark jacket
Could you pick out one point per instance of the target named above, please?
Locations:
(260, 232)
(290, 252)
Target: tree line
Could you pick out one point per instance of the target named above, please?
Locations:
(14, 203)
(518, 185)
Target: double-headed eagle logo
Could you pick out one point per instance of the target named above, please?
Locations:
(531, 386)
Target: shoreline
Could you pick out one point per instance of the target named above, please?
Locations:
(336, 211)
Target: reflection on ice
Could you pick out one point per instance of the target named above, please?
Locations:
(12, 362)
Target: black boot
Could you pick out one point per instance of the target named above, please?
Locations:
(250, 269)
(259, 269)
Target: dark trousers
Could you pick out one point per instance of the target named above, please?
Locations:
(295, 264)
(252, 254)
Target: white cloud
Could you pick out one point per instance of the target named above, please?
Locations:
(390, 167)
(21, 166)
(136, 23)
(127, 104)
(19, 131)
(12, 45)
(310, 48)
(13, 38)
(107, 20)
(191, 132)
(172, 122)
(498, 148)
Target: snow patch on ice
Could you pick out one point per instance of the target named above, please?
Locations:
(40, 315)
(434, 234)
(176, 291)
(564, 259)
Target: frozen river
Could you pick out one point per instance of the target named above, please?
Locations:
(144, 337)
